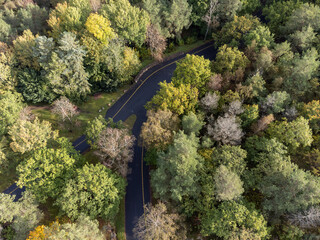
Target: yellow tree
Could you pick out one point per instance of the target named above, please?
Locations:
(100, 28)
(179, 100)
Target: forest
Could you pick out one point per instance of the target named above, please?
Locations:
(233, 144)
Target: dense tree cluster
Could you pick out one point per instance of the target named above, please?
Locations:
(233, 142)
(244, 163)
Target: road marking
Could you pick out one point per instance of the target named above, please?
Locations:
(80, 143)
(143, 83)
(151, 76)
(13, 190)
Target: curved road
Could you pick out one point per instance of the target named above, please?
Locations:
(132, 102)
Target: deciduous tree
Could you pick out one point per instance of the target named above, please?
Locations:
(45, 172)
(131, 24)
(226, 129)
(289, 190)
(158, 223)
(228, 185)
(158, 130)
(28, 136)
(229, 59)
(210, 101)
(157, 42)
(230, 217)
(232, 157)
(193, 70)
(275, 102)
(179, 100)
(64, 108)
(22, 215)
(177, 173)
(306, 13)
(83, 228)
(10, 106)
(94, 191)
(192, 123)
(100, 28)
(293, 134)
(115, 149)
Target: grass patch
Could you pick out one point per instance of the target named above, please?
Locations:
(120, 221)
(93, 107)
(183, 48)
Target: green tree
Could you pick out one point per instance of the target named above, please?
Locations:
(68, 17)
(249, 115)
(177, 172)
(193, 70)
(158, 131)
(311, 112)
(179, 100)
(169, 17)
(94, 191)
(43, 50)
(199, 9)
(23, 49)
(275, 102)
(94, 128)
(278, 13)
(228, 185)
(306, 13)
(177, 17)
(229, 59)
(257, 85)
(46, 171)
(28, 136)
(289, 190)
(22, 215)
(34, 87)
(233, 32)
(5, 31)
(10, 106)
(262, 37)
(227, 9)
(191, 123)
(250, 6)
(7, 79)
(83, 228)
(30, 17)
(293, 134)
(66, 72)
(230, 217)
(232, 157)
(266, 156)
(304, 39)
(303, 71)
(131, 24)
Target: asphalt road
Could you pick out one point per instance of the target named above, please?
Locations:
(132, 102)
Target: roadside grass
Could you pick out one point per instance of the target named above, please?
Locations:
(95, 105)
(183, 48)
